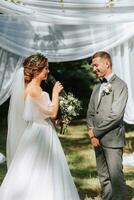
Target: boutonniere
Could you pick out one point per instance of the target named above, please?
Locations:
(107, 88)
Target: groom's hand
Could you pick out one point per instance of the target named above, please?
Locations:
(94, 140)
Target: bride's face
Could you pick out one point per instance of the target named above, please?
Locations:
(44, 73)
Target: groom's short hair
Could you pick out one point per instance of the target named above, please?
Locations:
(103, 54)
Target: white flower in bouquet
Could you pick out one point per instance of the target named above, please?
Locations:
(70, 108)
(61, 102)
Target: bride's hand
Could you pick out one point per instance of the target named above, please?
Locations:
(57, 87)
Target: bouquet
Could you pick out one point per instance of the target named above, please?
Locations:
(69, 108)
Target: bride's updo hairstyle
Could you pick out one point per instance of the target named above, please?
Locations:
(33, 65)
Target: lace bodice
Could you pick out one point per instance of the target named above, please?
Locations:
(37, 108)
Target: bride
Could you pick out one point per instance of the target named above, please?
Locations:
(37, 168)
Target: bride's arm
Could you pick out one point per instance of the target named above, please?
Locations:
(50, 110)
(42, 101)
(55, 99)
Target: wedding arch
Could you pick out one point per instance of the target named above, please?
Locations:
(66, 30)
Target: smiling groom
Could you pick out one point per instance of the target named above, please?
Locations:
(105, 127)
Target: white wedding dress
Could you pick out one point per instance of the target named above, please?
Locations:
(38, 170)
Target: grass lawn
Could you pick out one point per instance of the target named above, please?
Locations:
(81, 160)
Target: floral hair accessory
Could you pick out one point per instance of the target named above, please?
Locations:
(108, 88)
(36, 57)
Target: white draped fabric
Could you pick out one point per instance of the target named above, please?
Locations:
(2, 158)
(72, 11)
(123, 59)
(60, 42)
(8, 63)
(67, 30)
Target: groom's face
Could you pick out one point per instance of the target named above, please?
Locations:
(100, 66)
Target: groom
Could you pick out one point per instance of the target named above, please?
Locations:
(105, 126)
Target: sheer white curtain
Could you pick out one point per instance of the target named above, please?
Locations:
(72, 11)
(9, 62)
(123, 61)
(60, 42)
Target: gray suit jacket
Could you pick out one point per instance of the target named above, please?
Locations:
(106, 116)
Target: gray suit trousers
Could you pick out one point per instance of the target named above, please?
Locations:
(109, 167)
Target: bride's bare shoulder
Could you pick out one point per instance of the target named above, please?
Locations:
(33, 91)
